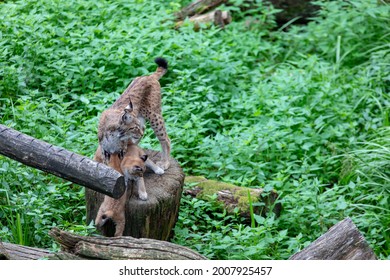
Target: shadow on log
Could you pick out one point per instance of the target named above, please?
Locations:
(153, 218)
(343, 241)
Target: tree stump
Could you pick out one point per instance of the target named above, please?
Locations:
(153, 218)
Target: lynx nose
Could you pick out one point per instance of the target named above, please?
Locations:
(137, 168)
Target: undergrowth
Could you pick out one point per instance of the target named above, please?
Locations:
(302, 110)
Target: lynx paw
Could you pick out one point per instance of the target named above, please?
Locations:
(143, 196)
(159, 171)
(163, 165)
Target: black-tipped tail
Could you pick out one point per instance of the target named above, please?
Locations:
(161, 62)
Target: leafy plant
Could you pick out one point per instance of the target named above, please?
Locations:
(302, 110)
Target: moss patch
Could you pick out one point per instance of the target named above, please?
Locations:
(231, 195)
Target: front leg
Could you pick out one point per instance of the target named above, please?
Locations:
(140, 186)
(154, 167)
(120, 223)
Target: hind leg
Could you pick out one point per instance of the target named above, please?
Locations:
(120, 223)
(158, 126)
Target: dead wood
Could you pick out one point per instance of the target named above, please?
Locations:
(10, 251)
(119, 248)
(232, 197)
(343, 241)
(60, 162)
(198, 7)
(217, 17)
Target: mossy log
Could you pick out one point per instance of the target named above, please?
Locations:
(153, 218)
(232, 196)
(118, 248)
(343, 241)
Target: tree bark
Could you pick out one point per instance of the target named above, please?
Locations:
(10, 251)
(232, 196)
(60, 162)
(119, 248)
(343, 241)
(155, 217)
(198, 7)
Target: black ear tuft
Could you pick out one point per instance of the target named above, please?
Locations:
(144, 157)
(161, 62)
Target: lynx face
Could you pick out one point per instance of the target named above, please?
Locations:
(133, 167)
(130, 128)
(117, 128)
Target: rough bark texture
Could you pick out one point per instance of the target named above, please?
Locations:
(343, 241)
(155, 217)
(232, 196)
(60, 162)
(198, 7)
(10, 251)
(119, 248)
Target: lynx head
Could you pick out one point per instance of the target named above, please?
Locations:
(133, 166)
(130, 126)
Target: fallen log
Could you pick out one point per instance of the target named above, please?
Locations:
(154, 217)
(217, 17)
(118, 248)
(232, 196)
(10, 251)
(198, 7)
(60, 162)
(343, 241)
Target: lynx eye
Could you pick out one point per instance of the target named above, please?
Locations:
(144, 157)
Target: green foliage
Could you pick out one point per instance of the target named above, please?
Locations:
(301, 110)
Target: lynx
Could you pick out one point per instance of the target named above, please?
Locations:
(116, 128)
(132, 166)
(142, 98)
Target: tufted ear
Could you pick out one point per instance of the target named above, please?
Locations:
(129, 108)
(144, 157)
